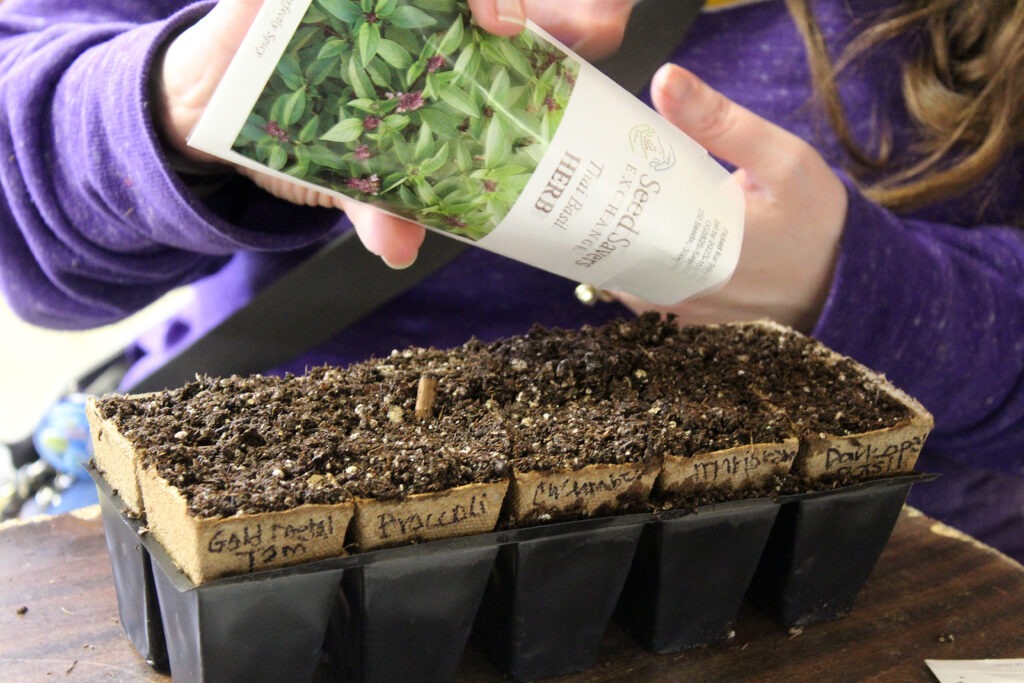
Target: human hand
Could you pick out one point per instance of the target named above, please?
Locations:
(189, 69)
(795, 209)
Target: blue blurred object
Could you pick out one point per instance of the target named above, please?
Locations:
(50, 475)
(62, 437)
(63, 442)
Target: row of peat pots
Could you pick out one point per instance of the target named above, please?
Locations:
(536, 601)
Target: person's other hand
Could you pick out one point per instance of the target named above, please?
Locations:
(795, 209)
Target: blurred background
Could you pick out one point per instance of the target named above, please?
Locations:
(38, 366)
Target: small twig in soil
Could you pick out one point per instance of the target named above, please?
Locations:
(426, 394)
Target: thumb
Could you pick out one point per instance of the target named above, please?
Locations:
(726, 129)
(228, 22)
(190, 67)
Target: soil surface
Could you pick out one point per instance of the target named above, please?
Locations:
(627, 391)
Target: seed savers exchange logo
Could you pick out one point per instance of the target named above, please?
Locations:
(643, 139)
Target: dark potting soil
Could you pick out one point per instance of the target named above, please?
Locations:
(624, 392)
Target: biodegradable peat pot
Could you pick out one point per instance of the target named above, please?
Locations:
(577, 459)
(405, 614)
(691, 572)
(752, 467)
(261, 627)
(852, 422)
(551, 595)
(116, 458)
(462, 511)
(583, 492)
(886, 452)
(209, 548)
(204, 545)
(823, 547)
(134, 585)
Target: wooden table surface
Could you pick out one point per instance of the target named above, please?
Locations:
(934, 594)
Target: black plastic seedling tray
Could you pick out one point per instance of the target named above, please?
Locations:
(408, 618)
(690, 574)
(387, 615)
(138, 607)
(536, 601)
(551, 595)
(823, 547)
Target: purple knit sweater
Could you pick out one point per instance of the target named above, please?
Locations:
(94, 226)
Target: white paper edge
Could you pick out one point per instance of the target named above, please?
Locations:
(976, 670)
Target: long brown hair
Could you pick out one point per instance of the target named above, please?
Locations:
(963, 88)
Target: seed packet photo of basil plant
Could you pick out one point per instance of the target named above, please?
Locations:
(408, 105)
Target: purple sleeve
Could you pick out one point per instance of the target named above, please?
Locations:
(93, 224)
(948, 302)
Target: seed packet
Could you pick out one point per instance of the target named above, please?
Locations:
(516, 145)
